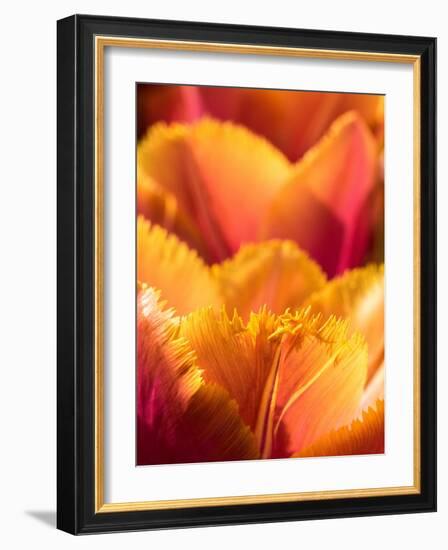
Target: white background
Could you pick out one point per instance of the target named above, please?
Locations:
(27, 290)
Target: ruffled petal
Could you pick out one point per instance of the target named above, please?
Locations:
(179, 417)
(363, 436)
(322, 372)
(235, 356)
(374, 390)
(294, 378)
(358, 296)
(276, 274)
(165, 263)
(162, 208)
(166, 379)
(319, 207)
(222, 176)
(213, 427)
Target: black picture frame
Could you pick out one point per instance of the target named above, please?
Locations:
(76, 272)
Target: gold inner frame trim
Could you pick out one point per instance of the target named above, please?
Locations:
(101, 42)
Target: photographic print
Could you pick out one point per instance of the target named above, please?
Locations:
(232, 203)
(260, 274)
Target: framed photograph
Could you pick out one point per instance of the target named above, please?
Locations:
(246, 274)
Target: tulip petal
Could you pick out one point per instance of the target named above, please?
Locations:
(167, 102)
(294, 378)
(319, 207)
(234, 356)
(222, 176)
(165, 263)
(374, 390)
(214, 430)
(276, 274)
(292, 120)
(179, 418)
(358, 296)
(167, 378)
(322, 374)
(363, 436)
(161, 207)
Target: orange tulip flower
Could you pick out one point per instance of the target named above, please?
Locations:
(260, 328)
(213, 388)
(218, 186)
(216, 384)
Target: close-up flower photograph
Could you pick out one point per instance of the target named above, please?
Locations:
(220, 260)
(260, 274)
(222, 322)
